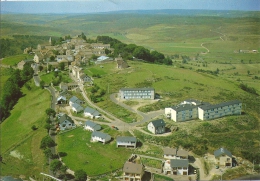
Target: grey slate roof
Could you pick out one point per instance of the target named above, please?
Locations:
(126, 139)
(174, 151)
(210, 106)
(136, 89)
(73, 99)
(179, 163)
(65, 117)
(158, 123)
(92, 111)
(130, 167)
(77, 107)
(61, 98)
(221, 151)
(183, 107)
(193, 100)
(100, 135)
(93, 125)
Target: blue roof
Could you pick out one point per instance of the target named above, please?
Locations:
(93, 125)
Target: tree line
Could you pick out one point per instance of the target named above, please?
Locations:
(12, 89)
(18, 43)
(132, 51)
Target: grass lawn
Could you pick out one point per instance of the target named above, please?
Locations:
(13, 60)
(94, 158)
(19, 143)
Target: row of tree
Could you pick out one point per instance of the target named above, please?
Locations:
(18, 43)
(132, 51)
(12, 89)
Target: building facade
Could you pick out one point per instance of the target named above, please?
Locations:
(133, 171)
(223, 157)
(207, 112)
(136, 93)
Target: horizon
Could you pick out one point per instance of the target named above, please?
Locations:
(106, 6)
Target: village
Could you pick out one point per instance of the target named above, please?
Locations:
(177, 163)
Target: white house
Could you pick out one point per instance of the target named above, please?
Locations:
(207, 112)
(126, 141)
(101, 137)
(91, 126)
(92, 113)
(176, 167)
(76, 108)
(74, 99)
(157, 126)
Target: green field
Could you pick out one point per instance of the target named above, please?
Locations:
(83, 154)
(13, 60)
(19, 143)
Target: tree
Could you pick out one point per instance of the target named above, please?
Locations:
(47, 142)
(63, 169)
(42, 84)
(62, 66)
(34, 127)
(47, 152)
(248, 72)
(40, 67)
(80, 175)
(50, 112)
(142, 53)
(47, 126)
(55, 166)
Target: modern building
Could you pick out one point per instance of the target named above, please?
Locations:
(207, 112)
(91, 126)
(223, 157)
(97, 136)
(136, 93)
(193, 109)
(126, 141)
(176, 167)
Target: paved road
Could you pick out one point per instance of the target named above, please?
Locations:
(36, 78)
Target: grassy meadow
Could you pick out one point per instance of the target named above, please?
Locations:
(13, 60)
(20, 145)
(86, 155)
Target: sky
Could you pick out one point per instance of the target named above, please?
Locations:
(94, 6)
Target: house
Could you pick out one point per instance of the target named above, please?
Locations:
(173, 153)
(157, 126)
(76, 100)
(76, 71)
(209, 111)
(76, 108)
(223, 157)
(21, 64)
(85, 78)
(102, 59)
(92, 113)
(136, 93)
(61, 100)
(126, 141)
(99, 52)
(121, 64)
(176, 167)
(100, 46)
(38, 57)
(69, 58)
(65, 122)
(68, 86)
(101, 137)
(91, 126)
(133, 171)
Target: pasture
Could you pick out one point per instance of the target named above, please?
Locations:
(13, 60)
(19, 143)
(86, 155)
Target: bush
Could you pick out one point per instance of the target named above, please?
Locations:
(34, 127)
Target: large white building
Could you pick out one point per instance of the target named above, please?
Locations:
(209, 111)
(192, 109)
(136, 93)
